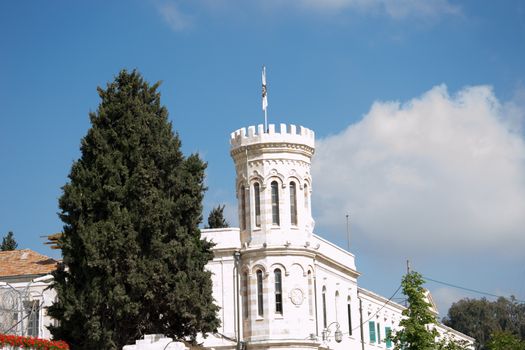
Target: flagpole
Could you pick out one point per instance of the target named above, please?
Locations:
(264, 99)
(265, 120)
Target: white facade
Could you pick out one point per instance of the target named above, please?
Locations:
(23, 305)
(278, 284)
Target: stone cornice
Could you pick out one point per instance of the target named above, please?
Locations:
(273, 147)
(299, 251)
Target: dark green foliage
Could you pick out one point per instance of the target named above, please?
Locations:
(8, 242)
(505, 341)
(131, 243)
(480, 318)
(216, 218)
(415, 335)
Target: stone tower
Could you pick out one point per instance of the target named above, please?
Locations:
(273, 184)
(276, 260)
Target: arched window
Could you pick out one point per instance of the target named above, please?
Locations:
(257, 200)
(245, 295)
(260, 306)
(243, 208)
(310, 293)
(278, 292)
(275, 203)
(337, 306)
(293, 203)
(349, 311)
(325, 321)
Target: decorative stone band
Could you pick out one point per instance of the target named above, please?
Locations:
(288, 134)
(274, 147)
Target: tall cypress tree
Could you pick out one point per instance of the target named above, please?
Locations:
(133, 257)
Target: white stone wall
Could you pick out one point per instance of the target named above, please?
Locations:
(223, 278)
(29, 291)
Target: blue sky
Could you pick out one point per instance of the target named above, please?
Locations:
(418, 109)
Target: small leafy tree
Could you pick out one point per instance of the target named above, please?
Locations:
(505, 341)
(417, 332)
(216, 218)
(8, 242)
(447, 343)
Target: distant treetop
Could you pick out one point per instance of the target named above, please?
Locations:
(216, 218)
(8, 242)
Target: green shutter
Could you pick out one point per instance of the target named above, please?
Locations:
(388, 333)
(372, 330)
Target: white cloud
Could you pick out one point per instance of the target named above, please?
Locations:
(440, 172)
(173, 16)
(179, 20)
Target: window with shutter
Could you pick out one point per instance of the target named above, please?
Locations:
(372, 331)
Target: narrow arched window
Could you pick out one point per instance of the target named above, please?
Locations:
(260, 306)
(310, 293)
(245, 294)
(325, 321)
(349, 311)
(293, 203)
(275, 203)
(257, 200)
(243, 208)
(337, 306)
(278, 292)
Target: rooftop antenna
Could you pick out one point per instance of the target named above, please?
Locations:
(347, 232)
(408, 273)
(264, 98)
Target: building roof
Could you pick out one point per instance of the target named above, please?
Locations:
(25, 262)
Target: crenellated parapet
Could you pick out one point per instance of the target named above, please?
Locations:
(303, 138)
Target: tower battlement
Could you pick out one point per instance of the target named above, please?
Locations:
(286, 133)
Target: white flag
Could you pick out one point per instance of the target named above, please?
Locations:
(264, 93)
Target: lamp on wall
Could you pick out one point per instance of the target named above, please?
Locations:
(338, 335)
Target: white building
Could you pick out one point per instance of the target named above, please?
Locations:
(278, 284)
(24, 294)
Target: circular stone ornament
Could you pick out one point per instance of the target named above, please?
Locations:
(297, 296)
